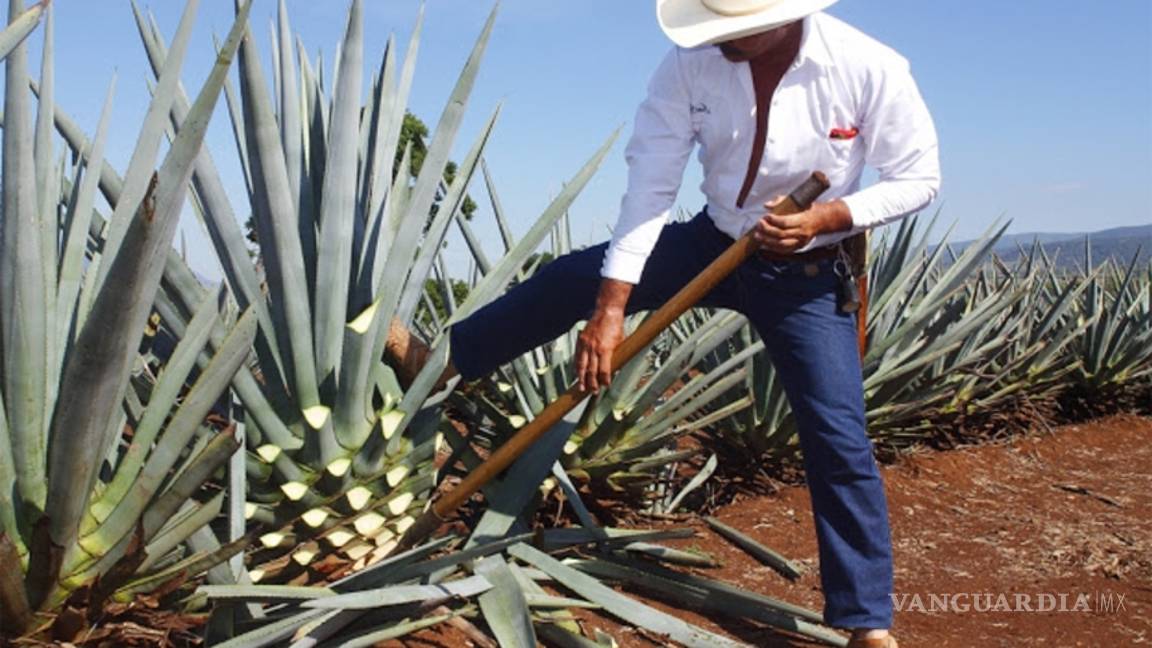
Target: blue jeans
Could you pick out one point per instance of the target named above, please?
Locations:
(813, 348)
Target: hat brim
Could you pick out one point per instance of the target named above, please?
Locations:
(690, 24)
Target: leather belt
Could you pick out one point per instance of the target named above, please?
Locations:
(819, 254)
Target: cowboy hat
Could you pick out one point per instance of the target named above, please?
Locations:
(706, 22)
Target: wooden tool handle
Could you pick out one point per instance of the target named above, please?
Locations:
(725, 264)
(799, 200)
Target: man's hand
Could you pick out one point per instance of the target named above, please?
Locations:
(786, 234)
(601, 336)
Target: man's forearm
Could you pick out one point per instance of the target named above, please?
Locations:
(613, 296)
(605, 330)
(790, 233)
(832, 216)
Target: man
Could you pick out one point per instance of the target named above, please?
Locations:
(770, 90)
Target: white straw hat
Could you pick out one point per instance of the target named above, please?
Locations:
(698, 22)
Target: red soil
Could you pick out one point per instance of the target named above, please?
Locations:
(1061, 513)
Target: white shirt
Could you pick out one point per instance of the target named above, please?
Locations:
(841, 79)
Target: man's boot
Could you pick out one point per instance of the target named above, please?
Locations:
(887, 641)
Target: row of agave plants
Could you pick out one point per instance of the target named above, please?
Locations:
(111, 459)
(958, 337)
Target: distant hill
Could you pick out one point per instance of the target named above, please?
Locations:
(1119, 243)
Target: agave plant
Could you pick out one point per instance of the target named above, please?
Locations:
(100, 468)
(1023, 359)
(339, 456)
(1116, 348)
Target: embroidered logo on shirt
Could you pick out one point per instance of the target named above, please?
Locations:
(844, 133)
(700, 108)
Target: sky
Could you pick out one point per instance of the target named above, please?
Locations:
(1044, 109)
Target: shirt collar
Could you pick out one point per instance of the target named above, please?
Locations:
(813, 48)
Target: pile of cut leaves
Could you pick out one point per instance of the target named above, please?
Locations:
(514, 591)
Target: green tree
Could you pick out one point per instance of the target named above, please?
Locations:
(414, 130)
(538, 261)
(435, 291)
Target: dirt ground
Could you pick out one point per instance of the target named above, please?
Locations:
(1052, 516)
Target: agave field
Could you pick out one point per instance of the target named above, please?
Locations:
(261, 471)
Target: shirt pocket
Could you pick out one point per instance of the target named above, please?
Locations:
(838, 157)
(838, 154)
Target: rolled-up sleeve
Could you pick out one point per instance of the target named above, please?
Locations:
(662, 140)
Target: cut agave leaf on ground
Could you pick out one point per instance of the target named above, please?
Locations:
(265, 593)
(317, 631)
(621, 606)
(758, 551)
(607, 536)
(401, 594)
(669, 555)
(696, 592)
(379, 573)
(396, 630)
(712, 586)
(504, 606)
(549, 601)
(563, 638)
(273, 633)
